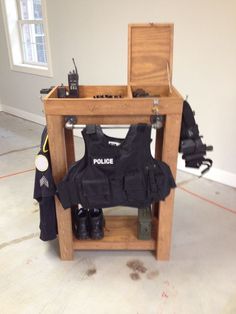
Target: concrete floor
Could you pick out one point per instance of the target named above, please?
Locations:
(200, 277)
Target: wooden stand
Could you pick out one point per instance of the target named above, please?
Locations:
(121, 231)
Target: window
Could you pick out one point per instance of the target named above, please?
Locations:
(32, 32)
(27, 36)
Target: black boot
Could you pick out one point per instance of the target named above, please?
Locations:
(97, 223)
(81, 224)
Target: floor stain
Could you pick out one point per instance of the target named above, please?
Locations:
(19, 240)
(85, 269)
(29, 261)
(91, 271)
(135, 276)
(168, 291)
(164, 294)
(152, 274)
(137, 266)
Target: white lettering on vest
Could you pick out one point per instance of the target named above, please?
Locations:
(113, 143)
(103, 161)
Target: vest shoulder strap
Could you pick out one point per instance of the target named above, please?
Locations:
(90, 129)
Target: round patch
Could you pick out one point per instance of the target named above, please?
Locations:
(41, 163)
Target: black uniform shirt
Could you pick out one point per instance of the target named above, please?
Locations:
(44, 191)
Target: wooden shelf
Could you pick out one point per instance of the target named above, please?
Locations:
(120, 234)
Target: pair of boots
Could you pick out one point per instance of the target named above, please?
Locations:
(88, 223)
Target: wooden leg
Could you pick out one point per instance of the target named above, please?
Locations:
(158, 156)
(159, 143)
(169, 155)
(70, 148)
(56, 137)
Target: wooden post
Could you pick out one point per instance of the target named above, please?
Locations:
(56, 135)
(70, 149)
(169, 155)
(158, 156)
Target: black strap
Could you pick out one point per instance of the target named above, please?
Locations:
(90, 129)
(208, 162)
(141, 127)
(189, 127)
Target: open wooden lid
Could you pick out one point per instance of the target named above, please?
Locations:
(150, 54)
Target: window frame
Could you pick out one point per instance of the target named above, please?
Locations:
(15, 42)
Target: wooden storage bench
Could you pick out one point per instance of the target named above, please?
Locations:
(150, 68)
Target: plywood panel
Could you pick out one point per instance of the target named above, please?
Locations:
(150, 53)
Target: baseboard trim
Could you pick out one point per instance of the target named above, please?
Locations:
(23, 114)
(215, 174)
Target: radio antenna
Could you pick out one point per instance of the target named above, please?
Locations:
(75, 66)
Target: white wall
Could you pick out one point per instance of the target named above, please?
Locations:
(95, 33)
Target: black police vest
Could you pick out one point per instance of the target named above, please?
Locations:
(116, 171)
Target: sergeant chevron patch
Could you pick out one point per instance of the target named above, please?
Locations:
(43, 181)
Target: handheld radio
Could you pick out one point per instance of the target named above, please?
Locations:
(73, 82)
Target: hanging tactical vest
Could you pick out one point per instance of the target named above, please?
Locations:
(191, 145)
(116, 171)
